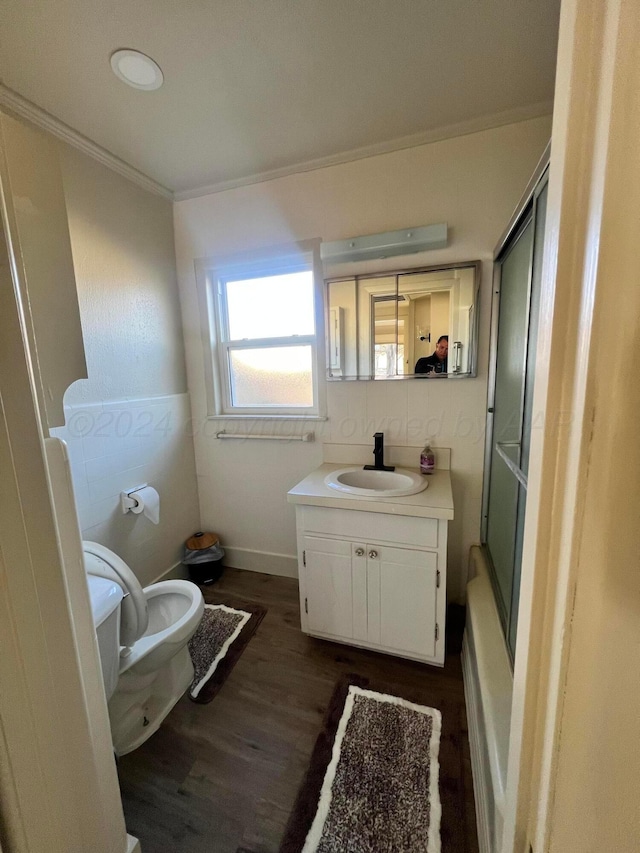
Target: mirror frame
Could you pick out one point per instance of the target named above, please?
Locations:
(473, 326)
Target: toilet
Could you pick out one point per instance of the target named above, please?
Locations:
(142, 636)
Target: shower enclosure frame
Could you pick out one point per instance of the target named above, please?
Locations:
(523, 216)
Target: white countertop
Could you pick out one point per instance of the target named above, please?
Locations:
(436, 501)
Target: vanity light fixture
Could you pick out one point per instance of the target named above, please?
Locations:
(136, 69)
(404, 242)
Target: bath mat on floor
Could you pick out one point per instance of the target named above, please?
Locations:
(217, 644)
(372, 786)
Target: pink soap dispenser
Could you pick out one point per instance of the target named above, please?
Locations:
(427, 460)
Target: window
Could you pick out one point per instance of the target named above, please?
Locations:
(265, 314)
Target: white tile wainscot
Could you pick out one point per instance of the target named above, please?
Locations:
(373, 571)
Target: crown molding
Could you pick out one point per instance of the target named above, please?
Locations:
(15, 103)
(20, 106)
(463, 128)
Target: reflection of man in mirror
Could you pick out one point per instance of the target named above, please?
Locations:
(436, 363)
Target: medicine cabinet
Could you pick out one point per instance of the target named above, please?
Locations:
(388, 325)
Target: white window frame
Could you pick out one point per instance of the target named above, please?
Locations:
(211, 276)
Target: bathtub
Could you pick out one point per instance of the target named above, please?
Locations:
(488, 687)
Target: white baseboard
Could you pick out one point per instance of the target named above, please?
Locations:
(176, 572)
(480, 771)
(261, 561)
(243, 558)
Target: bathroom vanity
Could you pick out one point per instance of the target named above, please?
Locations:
(373, 571)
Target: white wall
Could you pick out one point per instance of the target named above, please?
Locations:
(472, 182)
(129, 421)
(440, 317)
(124, 258)
(422, 320)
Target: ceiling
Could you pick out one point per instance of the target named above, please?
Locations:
(253, 86)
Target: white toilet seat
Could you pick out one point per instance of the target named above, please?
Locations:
(171, 629)
(155, 667)
(103, 563)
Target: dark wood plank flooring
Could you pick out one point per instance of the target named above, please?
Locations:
(224, 776)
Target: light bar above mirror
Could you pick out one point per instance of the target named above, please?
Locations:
(373, 247)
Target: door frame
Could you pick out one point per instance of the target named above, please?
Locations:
(58, 784)
(596, 61)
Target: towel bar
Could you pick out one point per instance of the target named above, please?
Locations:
(306, 436)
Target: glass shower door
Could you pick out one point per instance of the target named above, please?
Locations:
(508, 408)
(511, 410)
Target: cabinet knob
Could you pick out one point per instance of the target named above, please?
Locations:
(373, 554)
(359, 552)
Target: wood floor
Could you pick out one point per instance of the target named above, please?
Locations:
(223, 777)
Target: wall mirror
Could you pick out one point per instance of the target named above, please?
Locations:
(419, 323)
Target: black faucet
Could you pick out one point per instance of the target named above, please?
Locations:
(378, 455)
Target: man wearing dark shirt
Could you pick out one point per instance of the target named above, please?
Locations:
(436, 363)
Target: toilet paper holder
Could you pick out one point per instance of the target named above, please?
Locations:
(129, 503)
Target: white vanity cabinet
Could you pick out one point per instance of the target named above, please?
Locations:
(374, 580)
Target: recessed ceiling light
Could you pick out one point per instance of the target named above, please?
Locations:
(136, 69)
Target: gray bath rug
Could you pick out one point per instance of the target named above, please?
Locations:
(217, 644)
(380, 788)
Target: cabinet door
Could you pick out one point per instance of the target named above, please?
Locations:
(328, 586)
(402, 592)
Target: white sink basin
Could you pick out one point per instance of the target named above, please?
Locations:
(376, 484)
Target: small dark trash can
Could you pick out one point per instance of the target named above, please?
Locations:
(203, 556)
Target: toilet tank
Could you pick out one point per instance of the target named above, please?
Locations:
(105, 603)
